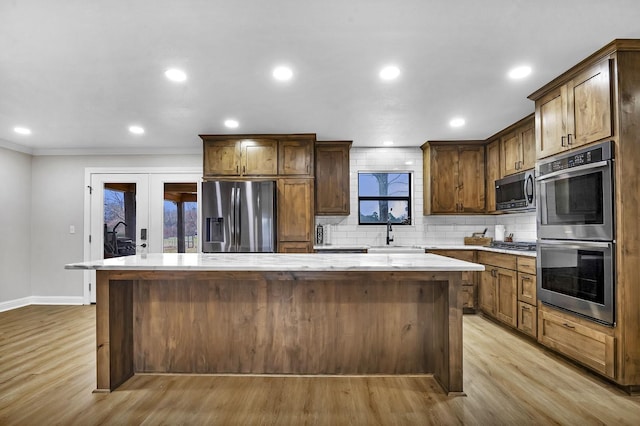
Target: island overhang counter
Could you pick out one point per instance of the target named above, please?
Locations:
(298, 314)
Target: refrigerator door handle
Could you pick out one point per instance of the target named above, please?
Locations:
(238, 218)
(232, 225)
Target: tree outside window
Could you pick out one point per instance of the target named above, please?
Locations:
(384, 197)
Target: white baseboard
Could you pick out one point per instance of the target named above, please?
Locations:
(40, 300)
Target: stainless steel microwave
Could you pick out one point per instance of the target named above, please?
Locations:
(516, 192)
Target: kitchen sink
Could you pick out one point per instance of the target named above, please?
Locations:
(395, 249)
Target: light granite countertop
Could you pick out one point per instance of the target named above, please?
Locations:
(430, 247)
(280, 262)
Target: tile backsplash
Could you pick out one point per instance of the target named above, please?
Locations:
(450, 229)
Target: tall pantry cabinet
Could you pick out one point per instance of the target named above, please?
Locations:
(599, 100)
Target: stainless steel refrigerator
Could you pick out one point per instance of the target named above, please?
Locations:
(239, 216)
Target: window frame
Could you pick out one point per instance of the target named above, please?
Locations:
(408, 198)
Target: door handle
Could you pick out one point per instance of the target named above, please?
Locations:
(569, 139)
(562, 138)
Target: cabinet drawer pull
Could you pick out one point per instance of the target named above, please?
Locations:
(526, 278)
(526, 308)
(569, 326)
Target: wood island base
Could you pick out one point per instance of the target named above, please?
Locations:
(297, 323)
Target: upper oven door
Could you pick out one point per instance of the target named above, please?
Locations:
(577, 203)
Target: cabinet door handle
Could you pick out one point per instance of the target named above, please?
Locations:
(526, 308)
(237, 169)
(569, 139)
(568, 326)
(562, 138)
(526, 278)
(244, 169)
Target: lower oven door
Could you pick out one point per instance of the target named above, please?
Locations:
(578, 276)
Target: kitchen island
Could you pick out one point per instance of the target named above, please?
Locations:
(317, 314)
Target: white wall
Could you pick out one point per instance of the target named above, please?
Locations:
(15, 226)
(58, 190)
(449, 229)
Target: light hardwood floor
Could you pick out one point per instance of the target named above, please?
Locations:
(47, 375)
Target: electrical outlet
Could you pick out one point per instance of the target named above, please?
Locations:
(72, 229)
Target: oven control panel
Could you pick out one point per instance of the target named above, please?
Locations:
(601, 152)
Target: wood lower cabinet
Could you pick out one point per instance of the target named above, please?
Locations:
(295, 247)
(587, 343)
(528, 319)
(506, 293)
(454, 178)
(332, 183)
(577, 113)
(469, 278)
(295, 214)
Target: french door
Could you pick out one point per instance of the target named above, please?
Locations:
(125, 214)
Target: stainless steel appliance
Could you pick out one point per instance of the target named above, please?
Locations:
(576, 230)
(239, 216)
(516, 192)
(578, 276)
(575, 194)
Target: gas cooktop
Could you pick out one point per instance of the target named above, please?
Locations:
(514, 245)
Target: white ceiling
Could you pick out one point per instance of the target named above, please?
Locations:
(78, 73)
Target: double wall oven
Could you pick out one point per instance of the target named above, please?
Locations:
(576, 232)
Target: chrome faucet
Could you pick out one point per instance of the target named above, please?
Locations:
(389, 229)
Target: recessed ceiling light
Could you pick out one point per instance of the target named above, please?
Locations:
(390, 72)
(519, 72)
(457, 122)
(387, 143)
(282, 73)
(176, 75)
(22, 130)
(231, 124)
(137, 130)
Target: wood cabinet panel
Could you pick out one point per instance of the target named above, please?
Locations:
(240, 157)
(469, 278)
(526, 264)
(577, 113)
(487, 292)
(221, 158)
(519, 148)
(259, 157)
(456, 178)
(506, 261)
(295, 215)
(295, 157)
(493, 172)
(295, 247)
(471, 179)
(444, 179)
(511, 153)
(589, 102)
(332, 182)
(528, 319)
(527, 288)
(587, 345)
(506, 296)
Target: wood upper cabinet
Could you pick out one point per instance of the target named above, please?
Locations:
(295, 213)
(518, 149)
(295, 157)
(332, 178)
(493, 171)
(240, 157)
(577, 113)
(456, 178)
